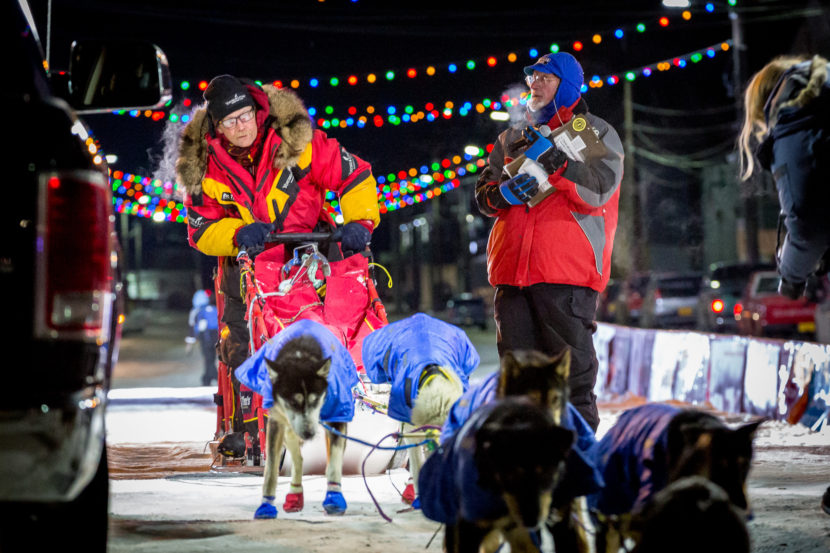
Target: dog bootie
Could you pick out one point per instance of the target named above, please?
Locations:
(293, 502)
(417, 503)
(408, 495)
(266, 511)
(334, 504)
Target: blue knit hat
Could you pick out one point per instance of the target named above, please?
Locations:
(564, 66)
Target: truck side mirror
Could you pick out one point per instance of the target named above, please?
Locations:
(108, 75)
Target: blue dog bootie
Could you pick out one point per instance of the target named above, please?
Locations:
(334, 503)
(417, 503)
(267, 510)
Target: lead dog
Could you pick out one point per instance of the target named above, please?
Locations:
(544, 380)
(305, 376)
(654, 445)
(492, 481)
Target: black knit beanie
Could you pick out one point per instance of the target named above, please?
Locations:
(224, 95)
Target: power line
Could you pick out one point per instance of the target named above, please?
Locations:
(682, 112)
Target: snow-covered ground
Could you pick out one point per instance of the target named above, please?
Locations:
(166, 498)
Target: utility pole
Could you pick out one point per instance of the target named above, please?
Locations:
(630, 194)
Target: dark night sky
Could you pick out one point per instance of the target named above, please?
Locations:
(269, 40)
(266, 40)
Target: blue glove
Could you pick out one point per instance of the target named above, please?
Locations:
(520, 189)
(539, 146)
(354, 237)
(252, 236)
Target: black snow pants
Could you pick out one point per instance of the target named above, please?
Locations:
(548, 318)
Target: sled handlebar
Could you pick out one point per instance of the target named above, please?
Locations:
(291, 237)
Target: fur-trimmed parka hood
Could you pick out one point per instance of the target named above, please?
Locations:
(797, 88)
(288, 117)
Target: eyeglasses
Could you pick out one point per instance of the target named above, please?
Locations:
(230, 122)
(546, 79)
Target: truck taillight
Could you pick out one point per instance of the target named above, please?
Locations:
(74, 256)
(717, 306)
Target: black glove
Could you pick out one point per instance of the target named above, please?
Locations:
(354, 237)
(792, 290)
(552, 159)
(252, 236)
(494, 198)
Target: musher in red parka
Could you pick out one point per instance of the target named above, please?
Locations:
(252, 164)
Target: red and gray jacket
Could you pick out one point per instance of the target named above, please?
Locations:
(296, 166)
(568, 237)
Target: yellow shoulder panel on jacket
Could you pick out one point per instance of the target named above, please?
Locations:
(361, 202)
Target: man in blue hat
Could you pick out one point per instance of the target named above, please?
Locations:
(549, 256)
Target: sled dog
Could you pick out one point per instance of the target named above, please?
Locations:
(544, 380)
(518, 453)
(541, 378)
(299, 379)
(652, 446)
(672, 520)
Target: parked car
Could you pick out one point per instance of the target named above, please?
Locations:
(762, 311)
(60, 271)
(467, 310)
(722, 287)
(670, 300)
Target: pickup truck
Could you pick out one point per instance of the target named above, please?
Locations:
(762, 311)
(60, 279)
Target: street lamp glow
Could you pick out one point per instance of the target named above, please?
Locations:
(676, 3)
(472, 150)
(499, 116)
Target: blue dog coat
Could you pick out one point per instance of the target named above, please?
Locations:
(632, 456)
(448, 481)
(399, 352)
(339, 403)
(581, 475)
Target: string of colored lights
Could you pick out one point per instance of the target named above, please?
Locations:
(142, 196)
(431, 112)
(146, 197)
(397, 115)
(162, 201)
(430, 70)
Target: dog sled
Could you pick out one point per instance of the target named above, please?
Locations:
(342, 295)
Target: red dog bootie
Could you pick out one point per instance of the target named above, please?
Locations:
(408, 494)
(293, 502)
